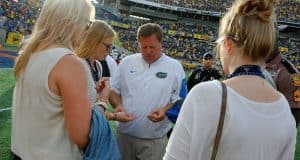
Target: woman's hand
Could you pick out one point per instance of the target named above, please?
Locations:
(103, 88)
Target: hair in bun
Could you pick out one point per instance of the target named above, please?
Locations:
(262, 9)
(251, 24)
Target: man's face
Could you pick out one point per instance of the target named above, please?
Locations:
(207, 62)
(150, 48)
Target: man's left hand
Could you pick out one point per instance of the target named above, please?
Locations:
(157, 115)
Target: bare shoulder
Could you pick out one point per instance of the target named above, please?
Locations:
(69, 61)
(69, 69)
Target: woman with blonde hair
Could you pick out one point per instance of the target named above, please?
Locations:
(51, 112)
(96, 45)
(258, 122)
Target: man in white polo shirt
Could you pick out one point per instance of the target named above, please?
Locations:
(146, 85)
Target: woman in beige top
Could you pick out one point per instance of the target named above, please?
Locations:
(51, 109)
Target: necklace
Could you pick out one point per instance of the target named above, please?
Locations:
(94, 71)
(247, 70)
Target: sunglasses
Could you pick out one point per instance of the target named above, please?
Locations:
(221, 39)
(88, 25)
(108, 47)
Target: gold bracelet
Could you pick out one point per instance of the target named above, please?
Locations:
(102, 104)
(104, 100)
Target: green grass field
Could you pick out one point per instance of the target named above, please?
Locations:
(6, 89)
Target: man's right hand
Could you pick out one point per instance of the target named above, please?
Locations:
(122, 115)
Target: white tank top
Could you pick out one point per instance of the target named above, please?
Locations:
(38, 123)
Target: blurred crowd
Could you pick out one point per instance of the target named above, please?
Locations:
(178, 46)
(181, 47)
(19, 17)
(190, 49)
(293, 47)
(287, 10)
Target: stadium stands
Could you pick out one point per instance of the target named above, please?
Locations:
(184, 41)
(189, 48)
(17, 16)
(288, 10)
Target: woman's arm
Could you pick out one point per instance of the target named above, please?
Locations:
(70, 83)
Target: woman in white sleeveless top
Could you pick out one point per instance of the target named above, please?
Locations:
(96, 46)
(51, 110)
(258, 122)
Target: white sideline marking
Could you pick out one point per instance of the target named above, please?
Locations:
(5, 109)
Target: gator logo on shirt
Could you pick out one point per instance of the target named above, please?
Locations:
(161, 74)
(132, 71)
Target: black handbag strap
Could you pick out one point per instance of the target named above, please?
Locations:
(221, 122)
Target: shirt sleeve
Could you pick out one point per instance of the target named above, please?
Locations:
(112, 65)
(289, 149)
(115, 81)
(180, 141)
(195, 129)
(179, 86)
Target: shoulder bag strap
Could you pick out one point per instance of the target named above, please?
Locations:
(221, 122)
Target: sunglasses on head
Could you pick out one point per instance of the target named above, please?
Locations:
(222, 38)
(235, 39)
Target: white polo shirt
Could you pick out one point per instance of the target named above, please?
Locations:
(112, 65)
(145, 87)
